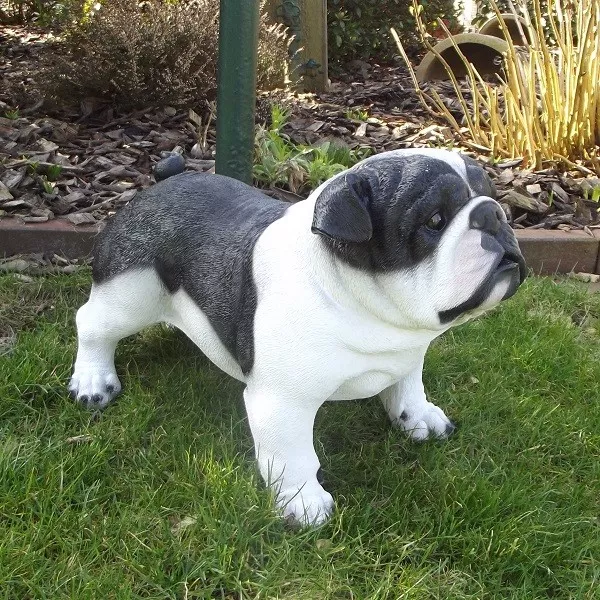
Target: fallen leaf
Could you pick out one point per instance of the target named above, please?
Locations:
(323, 544)
(5, 193)
(8, 339)
(46, 146)
(182, 525)
(80, 439)
(525, 201)
(557, 191)
(14, 266)
(506, 176)
(74, 197)
(12, 178)
(315, 126)
(585, 277)
(80, 218)
(361, 130)
(14, 203)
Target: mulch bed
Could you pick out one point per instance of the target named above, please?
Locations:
(84, 165)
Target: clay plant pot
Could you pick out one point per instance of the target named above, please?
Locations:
(492, 27)
(484, 52)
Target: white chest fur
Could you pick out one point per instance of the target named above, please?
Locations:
(305, 310)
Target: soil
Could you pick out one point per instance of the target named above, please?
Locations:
(85, 164)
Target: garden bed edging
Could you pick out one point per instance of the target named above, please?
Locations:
(546, 252)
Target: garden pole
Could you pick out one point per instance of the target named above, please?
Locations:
(236, 93)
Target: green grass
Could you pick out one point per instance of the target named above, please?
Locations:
(159, 498)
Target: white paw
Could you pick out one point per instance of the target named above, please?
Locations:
(311, 505)
(426, 421)
(94, 388)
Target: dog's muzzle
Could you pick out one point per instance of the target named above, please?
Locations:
(489, 218)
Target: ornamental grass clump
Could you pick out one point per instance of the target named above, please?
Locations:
(545, 106)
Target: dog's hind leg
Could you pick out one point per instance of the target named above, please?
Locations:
(118, 307)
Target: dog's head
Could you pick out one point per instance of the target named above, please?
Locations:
(426, 226)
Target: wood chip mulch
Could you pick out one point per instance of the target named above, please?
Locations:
(543, 199)
(85, 165)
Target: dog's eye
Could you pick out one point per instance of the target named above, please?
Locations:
(436, 222)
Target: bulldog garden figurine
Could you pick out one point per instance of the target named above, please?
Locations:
(336, 297)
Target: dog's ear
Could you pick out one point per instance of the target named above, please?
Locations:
(479, 180)
(342, 208)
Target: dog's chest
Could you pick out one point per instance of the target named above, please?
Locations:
(364, 385)
(373, 374)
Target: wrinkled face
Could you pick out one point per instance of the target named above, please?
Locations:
(424, 224)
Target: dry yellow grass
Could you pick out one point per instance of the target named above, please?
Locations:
(546, 106)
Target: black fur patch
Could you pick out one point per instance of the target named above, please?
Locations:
(198, 231)
(479, 181)
(342, 210)
(409, 190)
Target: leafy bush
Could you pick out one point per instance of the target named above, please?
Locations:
(44, 12)
(279, 162)
(485, 11)
(359, 29)
(546, 109)
(151, 53)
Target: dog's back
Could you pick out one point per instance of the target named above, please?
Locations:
(188, 219)
(197, 232)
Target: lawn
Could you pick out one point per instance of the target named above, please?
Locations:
(158, 496)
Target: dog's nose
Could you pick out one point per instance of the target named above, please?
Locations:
(486, 216)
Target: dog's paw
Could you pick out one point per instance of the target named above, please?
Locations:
(310, 506)
(425, 422)
(94, 389)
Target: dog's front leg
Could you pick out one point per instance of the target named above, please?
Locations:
(282, 429)
(409, 409)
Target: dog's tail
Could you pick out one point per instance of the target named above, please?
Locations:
(174, 164)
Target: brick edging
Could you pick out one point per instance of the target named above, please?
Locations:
(546, 251)
(58, 236)
(549, 251)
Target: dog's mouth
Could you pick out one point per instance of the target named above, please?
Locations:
(508, 270)
(512, 260)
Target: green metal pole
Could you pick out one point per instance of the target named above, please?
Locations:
(236, 94)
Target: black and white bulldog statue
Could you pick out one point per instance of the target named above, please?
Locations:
(336, 297)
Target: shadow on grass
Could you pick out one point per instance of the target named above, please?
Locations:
(158, 496)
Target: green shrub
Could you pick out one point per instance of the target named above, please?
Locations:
(360, 29)
(279, 162)
(151, 53)
(44, 12)
(485, 9)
